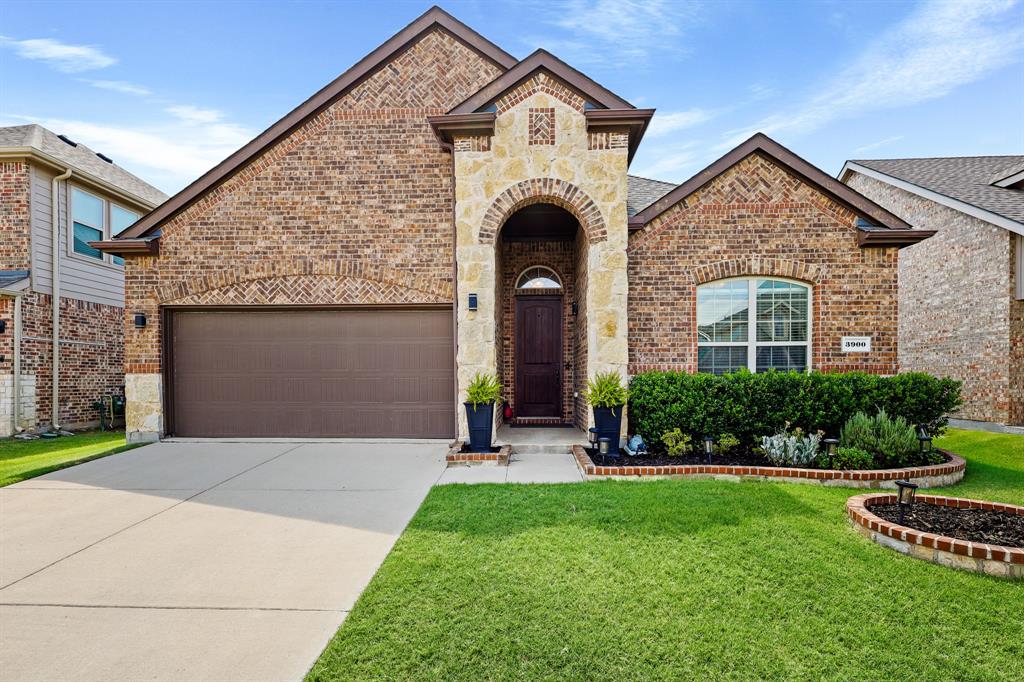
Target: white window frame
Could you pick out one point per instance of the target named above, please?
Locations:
(1020, 267)
(555, 277)
(107, 260)
(752, 344)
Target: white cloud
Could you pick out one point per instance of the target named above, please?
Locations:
(190, 114)
(876, 145)
(672, 163)
(61, 56)
(617, 31)
(941, 46)
(663, 124)
(118, 86)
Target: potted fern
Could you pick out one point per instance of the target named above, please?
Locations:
(607, 395)
(481, 394)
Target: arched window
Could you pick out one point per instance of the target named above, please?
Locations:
(538, 277)
(757, 323)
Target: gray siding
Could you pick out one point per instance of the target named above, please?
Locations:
(80, 279)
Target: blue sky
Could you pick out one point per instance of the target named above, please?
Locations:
(168, 89)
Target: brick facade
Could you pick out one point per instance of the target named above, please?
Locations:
(353, 206)
(15, 220)
(958, 315)
(757, 219)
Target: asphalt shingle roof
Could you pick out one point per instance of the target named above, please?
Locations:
(964, 178)
(80, 158)
(642, 192)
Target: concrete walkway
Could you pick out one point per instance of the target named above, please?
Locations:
(522, 468)
(198, 561)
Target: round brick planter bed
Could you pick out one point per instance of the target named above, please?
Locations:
(931, 476)
(961, 552)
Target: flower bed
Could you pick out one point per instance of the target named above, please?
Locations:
(460, 455)
(931, 476)
(965, 554)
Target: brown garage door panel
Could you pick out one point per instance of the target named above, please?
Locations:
(308, 373)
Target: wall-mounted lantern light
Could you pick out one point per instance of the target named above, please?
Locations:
(140, 320)
(472, 302)
(575, 308)
(3, 326)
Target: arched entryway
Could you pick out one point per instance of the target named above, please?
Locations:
(537, 251)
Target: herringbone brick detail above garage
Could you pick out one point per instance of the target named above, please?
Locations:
(306, 290)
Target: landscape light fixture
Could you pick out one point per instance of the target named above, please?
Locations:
(830, 446)
(602, 445)
(908, 492)
(592, 435)
(709, 447)
(924, 440)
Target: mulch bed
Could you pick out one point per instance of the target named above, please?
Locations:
(971, 525)
(737, 457)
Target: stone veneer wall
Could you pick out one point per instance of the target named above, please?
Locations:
(515, 258)
(583, 173)
(353, 207)
(758, 219)
(958, 316)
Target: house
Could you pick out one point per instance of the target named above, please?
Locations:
(442, 209)
(961, 293)
(42, 175)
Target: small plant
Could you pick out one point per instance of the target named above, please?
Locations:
(725, 444)
(676, 443)
(891, 442)
(791, 449)
(483, 389)
(849, 458)
(606, 390)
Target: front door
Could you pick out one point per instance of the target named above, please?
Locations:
(538, 354)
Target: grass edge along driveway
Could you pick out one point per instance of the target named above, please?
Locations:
(24, 459)
(684, 579)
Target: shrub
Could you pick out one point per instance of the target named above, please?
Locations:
(750, 405)
(606, 390)
(676, 442)
(726, 443)
(791, 449)
(891, 441)
(849, 458)
(483, 389)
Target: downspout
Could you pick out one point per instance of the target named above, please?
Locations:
(55, 298)
(450, 147)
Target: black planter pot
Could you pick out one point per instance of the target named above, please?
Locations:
(481, 421)
(608, 422)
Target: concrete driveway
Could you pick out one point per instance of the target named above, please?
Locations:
(198, 561)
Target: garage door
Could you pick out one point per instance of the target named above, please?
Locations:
(310, 373)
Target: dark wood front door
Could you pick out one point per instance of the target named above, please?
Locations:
(538, 356)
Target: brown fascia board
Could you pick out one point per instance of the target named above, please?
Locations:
(448, 126)
(760, 143)
(891, 237)
(367, 66)
(542, 60)
(123, 246)
(636, 120)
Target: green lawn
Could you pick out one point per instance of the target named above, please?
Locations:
(667, 580)
(21, 459)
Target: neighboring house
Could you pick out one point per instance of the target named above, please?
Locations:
(962, 292)
(443, 209)
(42, 173)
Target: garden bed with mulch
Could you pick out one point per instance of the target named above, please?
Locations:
(974, 525)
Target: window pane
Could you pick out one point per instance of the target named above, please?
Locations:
(781, 311)
(87, 209)
(721, 359)
(117, 260)
(83, 235)
(539, 278)
(120, 219)
(722, 312)
(782, 358)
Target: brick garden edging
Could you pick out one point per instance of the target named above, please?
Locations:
(931, 476)
(456, 457)
(996, 560)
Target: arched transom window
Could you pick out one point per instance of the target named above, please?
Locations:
(756, 323)
(538, 277)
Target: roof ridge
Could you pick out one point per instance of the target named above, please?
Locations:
(644, 177)
(936, 158)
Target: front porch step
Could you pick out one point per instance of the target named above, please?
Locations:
(541, 448)
(539, 440)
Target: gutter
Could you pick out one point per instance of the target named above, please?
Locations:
(16, 378)
(55, 297)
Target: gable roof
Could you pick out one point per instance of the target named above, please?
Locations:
(36, 139)
(435, 17)
(642, 192)
(883, 228)
(965, 183)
